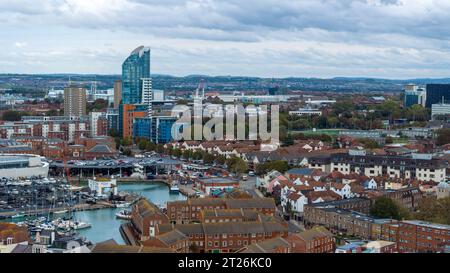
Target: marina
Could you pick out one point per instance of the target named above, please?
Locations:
(103, 221)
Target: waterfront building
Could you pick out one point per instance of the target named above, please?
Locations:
(145, 217)
(74, 101)
(190, 210)
(414, 95)
(135, 68)
(436, 93)
(103, 188)
(17, 166)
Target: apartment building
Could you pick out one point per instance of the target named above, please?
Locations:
(227, 237)
(181, 212)
(421, 167)
(422, 237)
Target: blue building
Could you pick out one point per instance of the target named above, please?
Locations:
(437, 93)
(162, 129)
(134, 69)
(142, 128)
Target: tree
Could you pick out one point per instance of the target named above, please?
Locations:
(434, 210)
(369, 143)
(14, 115)
(279, 165)
(159, 148)
(197, 155)
(386, 207)
(187, 154)
(142, 144)
(127, 152)
(389, 140)
(150, 147)
(208, 158)
(221, 160)
(443, 136)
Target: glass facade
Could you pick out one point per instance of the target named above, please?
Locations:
(435, 93)
(163, 129)
(142, 128)
(135, 67)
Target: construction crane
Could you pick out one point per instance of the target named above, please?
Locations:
(201, 87)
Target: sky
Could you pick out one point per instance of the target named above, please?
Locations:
(395, 39)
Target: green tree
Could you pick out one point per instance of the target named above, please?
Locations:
(160, 149)
(11, 115)
(434, 210)
(208, 158)
(142, 144)
(127, 152)
(187, 154)
(150, 147)
(385, 207)
(220, 160)
(443, 136)
(279, 165)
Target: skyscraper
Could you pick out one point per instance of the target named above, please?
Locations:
(74, 101)
(437, 93)
(147, 96)
(117, 93)
(135, 68)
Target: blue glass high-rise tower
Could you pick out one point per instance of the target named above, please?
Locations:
(135, 68)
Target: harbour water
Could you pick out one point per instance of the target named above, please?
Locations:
(105, 226)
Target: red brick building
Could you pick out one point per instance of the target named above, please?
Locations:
(422, 237)
(317, 240)
(190, 210)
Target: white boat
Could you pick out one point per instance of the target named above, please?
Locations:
(61, 212)
(123, 205)
(124, 215)
(18, 215)
(174, 188)
(81, 225)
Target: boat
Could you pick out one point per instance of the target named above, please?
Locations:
(174, 188)
(124, 215)
(81, 225)
(123, 205)
(18, 215)
(61, 212)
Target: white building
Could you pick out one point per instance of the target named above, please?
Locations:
(94, 117)
(306, 112)
(103, 187)
(147, 95)
(22, 166)
(440, 109)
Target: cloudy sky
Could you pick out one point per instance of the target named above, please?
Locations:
(269, 38)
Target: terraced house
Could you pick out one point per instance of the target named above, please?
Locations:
(182, 212)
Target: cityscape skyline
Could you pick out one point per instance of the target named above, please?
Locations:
(376, 39)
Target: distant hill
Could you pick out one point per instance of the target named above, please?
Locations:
(218, 83)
